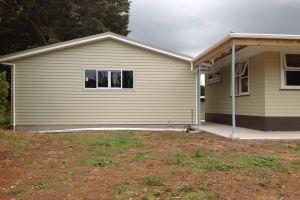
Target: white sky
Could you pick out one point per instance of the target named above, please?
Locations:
(190, 26)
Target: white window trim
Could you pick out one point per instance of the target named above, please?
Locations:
(240, 80)
(109, 88)
(214, 81)
(284, 68)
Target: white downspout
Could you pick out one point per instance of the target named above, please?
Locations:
(233, 111)
(14, 93)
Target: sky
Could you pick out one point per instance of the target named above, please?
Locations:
(191, 26)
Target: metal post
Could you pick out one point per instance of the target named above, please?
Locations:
(233, 91)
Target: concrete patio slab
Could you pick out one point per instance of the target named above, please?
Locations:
(248, 134)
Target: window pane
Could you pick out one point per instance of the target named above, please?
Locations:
(246, 71)
(293, 60)
(244, 85)
(103, 79)
(127, 79)
(293, 78)
(90, 78)
(210, 77)
(217, 75)
(116, 79)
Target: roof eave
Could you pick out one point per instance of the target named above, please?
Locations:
(81, 41)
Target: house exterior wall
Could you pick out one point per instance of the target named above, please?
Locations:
(279, 103)
(218, 99)
(268, 107)
(50, 88)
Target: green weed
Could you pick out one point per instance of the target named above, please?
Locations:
(40, 185)
(153, 180)
(15, 192)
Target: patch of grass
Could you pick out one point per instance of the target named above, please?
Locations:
(62, 178)
(102, 162)
(15, 143)
(15, 192)
(265, 162)
(201, 193)
(153, 180)
(145, 155)
(295, 164)
(187, 189)
(203, 161)
(125, 189)
(297, 148)
(40, 185)
(178, 158)
(212, 165)
(112, 140)
(157, 192)
(198, 154)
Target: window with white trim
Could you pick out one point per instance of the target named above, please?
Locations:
(242, 78)
(108, 79)
(291, 71)
(214, 77)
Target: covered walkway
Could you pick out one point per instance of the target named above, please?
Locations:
(248, 134)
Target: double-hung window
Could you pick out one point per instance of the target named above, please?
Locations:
(108, 79)
(291, 71)
(242, 78)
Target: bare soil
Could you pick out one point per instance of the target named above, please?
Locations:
(146, 165)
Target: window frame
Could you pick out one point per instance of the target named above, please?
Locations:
(109, 88)
(214, 80)
(239, 78)
(284, 68)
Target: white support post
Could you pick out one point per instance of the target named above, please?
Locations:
(198, 98)
(233, 91)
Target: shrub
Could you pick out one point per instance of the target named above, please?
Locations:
(4, 86)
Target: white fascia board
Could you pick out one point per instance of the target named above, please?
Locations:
(85, 40)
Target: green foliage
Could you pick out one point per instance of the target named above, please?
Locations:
(102, 162)
(124, 189)
(153, 180)
(40, 185)
(145, 155)
(212, 165)
(266, 162)
(32, 23)
(4, 86)
(15, 191)
(198, 154)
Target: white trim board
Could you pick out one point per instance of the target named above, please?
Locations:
(89, 39)
(113, 129)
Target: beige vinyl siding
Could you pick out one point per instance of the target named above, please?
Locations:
(218, 99)
(281, 103)
(50, 88)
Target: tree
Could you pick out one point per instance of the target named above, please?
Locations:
(30, 23)
(3, 94)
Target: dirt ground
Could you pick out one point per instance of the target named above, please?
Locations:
(146, 165)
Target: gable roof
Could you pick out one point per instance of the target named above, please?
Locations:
(90, 39)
